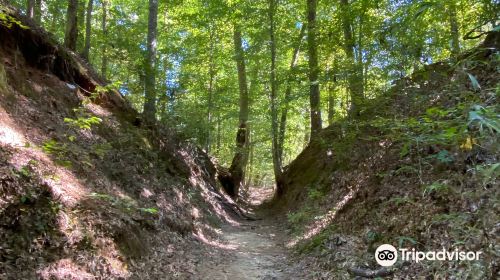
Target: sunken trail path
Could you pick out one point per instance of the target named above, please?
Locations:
(256, 251)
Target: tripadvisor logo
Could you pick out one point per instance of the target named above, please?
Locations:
(387, 255)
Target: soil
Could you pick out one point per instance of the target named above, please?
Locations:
(256, 252)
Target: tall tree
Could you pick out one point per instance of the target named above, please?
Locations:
(314, 95)
(30, 8)
(38, 11)
(150, 92)
(239, 162)
(88, 30)
(211, 82)
(104, 22)
(355, 86)
(274, 94)
(454, 30)
(71, 34)
(288, 91)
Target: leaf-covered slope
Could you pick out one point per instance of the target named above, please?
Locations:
(85, 191)
(419, 168)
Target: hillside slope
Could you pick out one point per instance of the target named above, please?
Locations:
(85, 191)
(419, 168)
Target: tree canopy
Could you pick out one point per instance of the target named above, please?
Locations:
(362, 47)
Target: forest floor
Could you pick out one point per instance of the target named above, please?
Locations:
(253, 249)
(256, 252)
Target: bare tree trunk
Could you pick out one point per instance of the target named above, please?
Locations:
(455, 34)
(314, 96)
(354, 87)
(331, 103)
(211, 73)
(288, 92)
(104, 22)
(38, 11)
(307, 134)
(274, 95)
(71, 34)
(239, 162)
(219, 123)
(150, 91)
(80, 37)
(88, 30)
(30, 8)
(359, 65)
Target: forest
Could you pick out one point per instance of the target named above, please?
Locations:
(248, 139)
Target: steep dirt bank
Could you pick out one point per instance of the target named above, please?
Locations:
(419, 168)
(85, 191)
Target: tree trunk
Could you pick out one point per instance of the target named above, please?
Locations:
(30, 8)
(38, 11)
(150, 93)
(104, 22)
(359, 57)
(354, 87)
(314, 96)
(239, 162)
(218, 141)
(307, 134)
(331, 103)
(274, 95)
(88, 30)
(211, 73)
(71, 34)
(288, 92)
(455, 34)
(82, 7)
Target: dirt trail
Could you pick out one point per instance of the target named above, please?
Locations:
(257, 252)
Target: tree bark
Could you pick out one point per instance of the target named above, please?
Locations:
(288, 92)
(150, 93)
(88, 30)
(71, 34)
(38, 11)
(331, 102)
(455, 34)
(274, 94)
(314, 95)
(104, 22)
(239, 162)
(211, 73)
(218, 141)
(359, 57)
(30, 8)
(354, 87)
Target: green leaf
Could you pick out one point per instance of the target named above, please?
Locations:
(475, 83)
(153, 211)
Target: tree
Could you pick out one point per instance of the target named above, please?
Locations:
(38, 11)
(288, 91)
(30, 8)
(88, 30)
(104, 28)
(314, 95)
(274, 92)
(150, 92)
(212, 74)
(455, 34)
(355, 84)
(239, 162)
(71, 34)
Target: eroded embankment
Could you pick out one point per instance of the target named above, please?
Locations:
(419, 168)
(86, 192)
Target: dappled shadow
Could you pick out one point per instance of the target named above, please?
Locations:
(29, 221)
